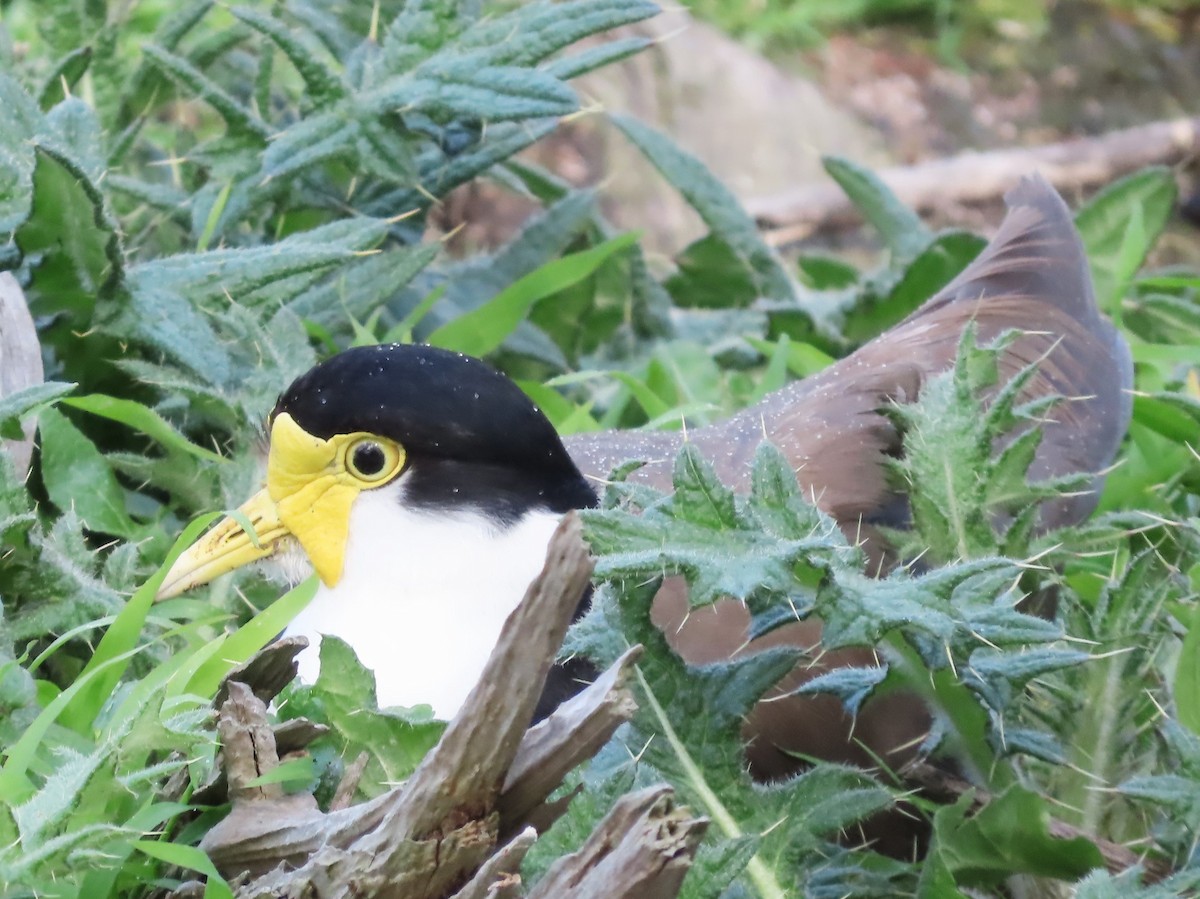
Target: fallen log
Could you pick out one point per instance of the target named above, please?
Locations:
(979, 177)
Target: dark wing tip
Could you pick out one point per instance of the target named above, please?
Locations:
(1034, 276)
(1036, 256)
(1034, 190)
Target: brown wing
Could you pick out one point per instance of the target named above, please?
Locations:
(1033, 277)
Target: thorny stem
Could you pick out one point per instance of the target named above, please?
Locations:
(993, 772)
(757, 870)
(1108, 707)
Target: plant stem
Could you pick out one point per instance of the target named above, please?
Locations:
(991, 771)
(757, 870)
(1107, 708)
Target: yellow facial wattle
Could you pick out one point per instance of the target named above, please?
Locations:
(311, 485)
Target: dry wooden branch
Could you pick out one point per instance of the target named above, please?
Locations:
(641, 849)
(972, 178)
(498, 877)
(268, 671)
(946, 788)
(569, 737)
(463, 774)
(437, 833)
(20, 360)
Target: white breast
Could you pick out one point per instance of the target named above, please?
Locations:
(423, 596)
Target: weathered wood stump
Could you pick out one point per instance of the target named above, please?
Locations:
(460, 826)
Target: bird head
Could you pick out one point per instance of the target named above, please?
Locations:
(440, 432)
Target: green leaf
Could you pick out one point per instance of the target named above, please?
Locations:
(252, 636)
(901, 228)
(237, 115)
(294, 770)
(77, 477)
(1104, 225)
(214, 217)
(260, 274)
(710, 274)
(362, 284)
(769, 536)
(1009, 834)
(172, 325)
(63, 76)
(402, 331)
(853, 686)
(20, 119)
(311, 141)
(1187, 676)
(344, 699)
(438, 175)
(21, 755)
(607, 53)
(72, 235)
(1134, 247)
(142, 419)
(482, 330)
(1174, 416)
(566, 417)
(193, 859)
(58, 795)
(121, 639)
(322, 85)
(933, 268)
(803, 359)
(16, 405)
(955, 483)
(717, 206)
(652, 404)
(828, 272)
(535, 31)
(1129, 884)
(467, 86)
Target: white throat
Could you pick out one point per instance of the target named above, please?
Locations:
(423, 596)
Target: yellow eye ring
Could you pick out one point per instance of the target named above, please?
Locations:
(374, 460)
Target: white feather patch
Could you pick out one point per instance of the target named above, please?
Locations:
(423, 596)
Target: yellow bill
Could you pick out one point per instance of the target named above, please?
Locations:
(227, 546)
(311, 485)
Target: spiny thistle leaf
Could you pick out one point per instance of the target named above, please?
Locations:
(323, 85)
(239, 117)
(964, 495)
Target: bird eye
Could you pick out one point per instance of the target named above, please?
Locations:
(374, 461)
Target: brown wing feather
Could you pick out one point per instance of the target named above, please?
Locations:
(1033, 277)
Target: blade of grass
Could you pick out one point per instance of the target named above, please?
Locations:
(776, 374)
(140, 418)
(300, 769)
(251, 637)
(214, 216)
(803, 359)
(482, 330)
(192, 858)
(652, 404)
(757, 871)
(402, 331)
(120, 639)
(19, 756)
